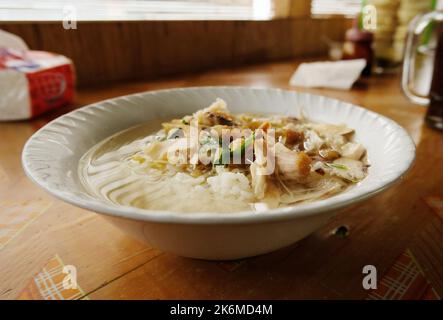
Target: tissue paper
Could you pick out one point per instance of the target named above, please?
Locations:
(336, 75)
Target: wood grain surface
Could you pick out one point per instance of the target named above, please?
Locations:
(110, 265)
(105, 52)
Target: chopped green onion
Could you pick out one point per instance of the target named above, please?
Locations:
(337, 166)
(246, 143)
(227, 153)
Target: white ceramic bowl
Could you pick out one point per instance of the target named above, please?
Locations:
(50, 158)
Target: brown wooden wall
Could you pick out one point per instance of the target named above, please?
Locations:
(105, 52)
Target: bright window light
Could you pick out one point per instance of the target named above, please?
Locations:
(93, 10)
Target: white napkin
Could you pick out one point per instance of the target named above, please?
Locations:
(337, 75)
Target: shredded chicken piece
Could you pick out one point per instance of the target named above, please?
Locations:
(258, 180)
(352, 150)
(292, 165)
(348, 169)
(272, 196)
(324, 129)
(216, 114)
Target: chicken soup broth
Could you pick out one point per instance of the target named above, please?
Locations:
(215, 161)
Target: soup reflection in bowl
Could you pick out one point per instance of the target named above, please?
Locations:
(161, 166)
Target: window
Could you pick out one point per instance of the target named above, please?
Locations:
(92, 10)
(335, 7)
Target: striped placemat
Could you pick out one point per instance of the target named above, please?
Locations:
(404, 281)
(48, 284)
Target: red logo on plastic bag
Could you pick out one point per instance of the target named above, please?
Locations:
(51, 88)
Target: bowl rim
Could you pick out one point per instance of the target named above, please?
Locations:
(209, 218)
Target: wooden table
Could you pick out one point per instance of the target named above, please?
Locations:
(400, 231)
